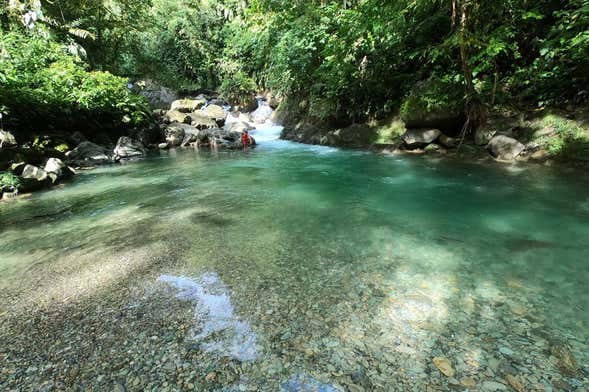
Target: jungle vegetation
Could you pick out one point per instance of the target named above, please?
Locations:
(347, 60)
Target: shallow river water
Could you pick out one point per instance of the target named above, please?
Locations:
(298, 268)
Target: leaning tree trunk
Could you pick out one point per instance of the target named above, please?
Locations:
(475, 110)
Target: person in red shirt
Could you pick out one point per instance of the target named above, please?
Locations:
(245, 140)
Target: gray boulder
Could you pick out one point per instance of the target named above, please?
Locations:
(176, 116)
(200, 121)
(213, 112)
(417, 138)
(88, 153)
(221, 138)
(174, 134)
(448, 142)
(7, 139)
(188, 105)
(505, 148)
(129, 148)
(227, 139)
(34, 173)
(33, 179)
(56, 169)
(239, 126)
(191, 135)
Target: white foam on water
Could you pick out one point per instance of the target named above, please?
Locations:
(267, 132)
(213, 310)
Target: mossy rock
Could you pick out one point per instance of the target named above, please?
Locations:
(435, 104)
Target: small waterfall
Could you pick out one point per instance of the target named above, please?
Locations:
(265, 130)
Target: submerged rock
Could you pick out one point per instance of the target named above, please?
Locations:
(219, 329)
(444, 366)
(129, 148)
(566, 361)
(302, 382)
(505, 148)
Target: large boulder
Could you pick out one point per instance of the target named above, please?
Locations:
(174, 134)
(191, 134)
(201, 121)
(448, 142)
(226, 139)
(188, 105)
(238, 126)
(7, 139)
(418, 138)
(88, 153)
(34, 173)
(33, 179)
(213, 112)
(222, 138)
(129, 148)
(176, 116)
(435, 104)
(262, 113)
(56, 169)
(505, 148)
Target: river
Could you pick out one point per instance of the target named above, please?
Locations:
(294, 267)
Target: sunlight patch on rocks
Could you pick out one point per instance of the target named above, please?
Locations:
(220, 330)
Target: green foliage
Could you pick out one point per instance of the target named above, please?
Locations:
(41, 83)
(237, 87)
(433, 97)
(389, 131)
(9, 182)
(350, 60)
(568, 140)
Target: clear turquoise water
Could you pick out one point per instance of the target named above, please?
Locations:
(336, 259)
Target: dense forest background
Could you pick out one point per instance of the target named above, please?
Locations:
(346, 60)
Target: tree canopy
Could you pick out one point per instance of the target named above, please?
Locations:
(350, 59)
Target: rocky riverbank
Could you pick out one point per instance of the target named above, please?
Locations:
(532, 136)
(200, 122)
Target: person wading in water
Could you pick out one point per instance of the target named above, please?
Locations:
(245, 140)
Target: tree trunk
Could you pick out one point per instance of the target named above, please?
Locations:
(475, 110)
